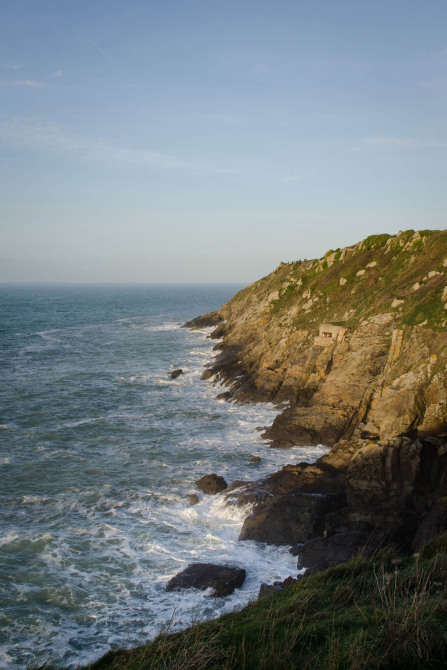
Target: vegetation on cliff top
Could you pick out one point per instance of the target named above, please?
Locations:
(404, 275)
(386, 612)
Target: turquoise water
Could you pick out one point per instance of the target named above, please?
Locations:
(98, 449)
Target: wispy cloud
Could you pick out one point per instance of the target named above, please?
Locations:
(389, 141)
(24, 83)
(395, 142)
(13, 66)
(58, 73)
(94, 44)
(26, 134)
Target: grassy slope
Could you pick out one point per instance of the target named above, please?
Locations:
(388, 612)
(392, 266)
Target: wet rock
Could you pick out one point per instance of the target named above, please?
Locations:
(207, 374)
(223, 579)
(211, 484)
(176, 373)
(226, 395)
(255, 459)
(192, 499)
(289, 519)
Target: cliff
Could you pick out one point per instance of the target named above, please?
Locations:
(352, 347)
(353, 344)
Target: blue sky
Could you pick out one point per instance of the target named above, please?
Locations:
(208, 140)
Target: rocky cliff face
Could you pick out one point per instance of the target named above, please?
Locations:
(353, 349)
(353, 344)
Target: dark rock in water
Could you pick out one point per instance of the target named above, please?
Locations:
(227, 395)
(176, 373)
(207, 374)
(192, 498)
(204, 321)
(277, 587)
(211, 484)
(255, 459)
(223, 579)
(289, 518)
(322, 552)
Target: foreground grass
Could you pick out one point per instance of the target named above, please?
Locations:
(389, 612)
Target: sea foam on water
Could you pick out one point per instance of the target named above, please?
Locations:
(95, 473)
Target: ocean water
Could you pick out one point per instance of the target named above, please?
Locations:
(98, 449)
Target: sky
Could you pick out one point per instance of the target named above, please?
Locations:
(209, 140)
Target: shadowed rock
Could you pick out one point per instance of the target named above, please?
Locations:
(321, 552)
(288, 519)
(176, 373)
(223, 579)
(211, 484)
(192, 498)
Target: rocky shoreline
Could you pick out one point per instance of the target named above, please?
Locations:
(370, 386)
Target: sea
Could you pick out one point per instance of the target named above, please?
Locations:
(99, 448)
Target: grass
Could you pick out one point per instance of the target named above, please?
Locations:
(391, 265)
(389, 612)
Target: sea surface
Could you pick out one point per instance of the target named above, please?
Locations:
(98, 449)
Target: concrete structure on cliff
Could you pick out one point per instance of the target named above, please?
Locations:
(328, 333)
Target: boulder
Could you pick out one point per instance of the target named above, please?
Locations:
(289, 519)
(223, 579)
(211, 484)
(207, 374)
(176, 373)
(192, 498)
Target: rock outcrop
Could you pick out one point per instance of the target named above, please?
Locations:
(223, 579)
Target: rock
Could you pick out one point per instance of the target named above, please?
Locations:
(192, 499)
(255, 459)
(433, 524)
(175, 373)
(277, 587)
(211, 484)
(321, 552)
(227, 395)
(223, 579)
(205, 321)
(288, 519)
(207, 374)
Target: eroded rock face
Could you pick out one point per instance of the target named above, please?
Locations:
(223, 579)
(211, 484)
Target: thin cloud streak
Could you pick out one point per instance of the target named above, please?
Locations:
(25, 134)
(94, 44)
(24, 83)
(395, 142)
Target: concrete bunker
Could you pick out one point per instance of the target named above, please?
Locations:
(329, 333)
